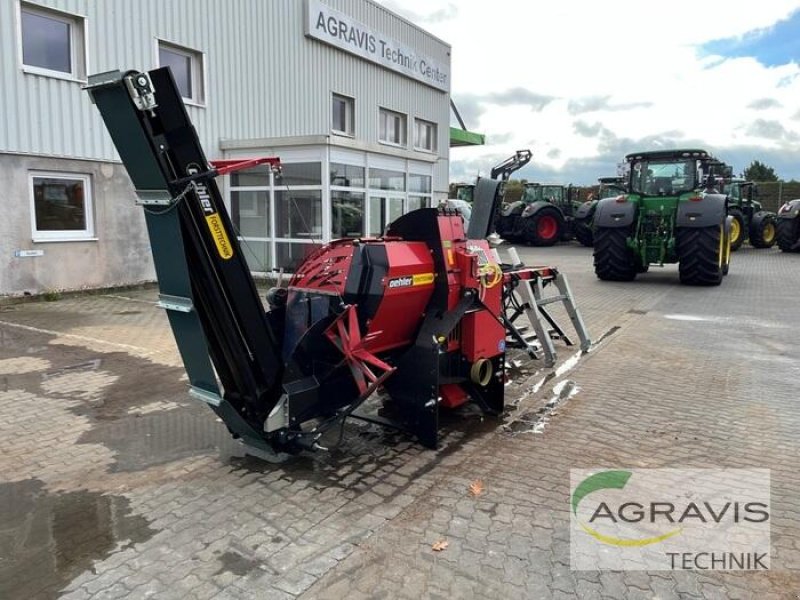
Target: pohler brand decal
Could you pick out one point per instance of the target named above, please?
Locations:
(668, 519)
(341, 30)
(213, 219)
(410, 280)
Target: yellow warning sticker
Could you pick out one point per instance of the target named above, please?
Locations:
(220, 236)
(423, 278)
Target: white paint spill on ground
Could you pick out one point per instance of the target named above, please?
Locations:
(688, 318)
(568, 364)
(23, 364)
(535, 422)
(732, 321)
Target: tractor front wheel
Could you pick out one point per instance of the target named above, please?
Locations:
(788, 232)
(543, 228)
(737, 228)
(613, 259)
(583, 232)
(702, 254)
(762, 230)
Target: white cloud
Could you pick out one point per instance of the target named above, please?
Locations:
(635, 64)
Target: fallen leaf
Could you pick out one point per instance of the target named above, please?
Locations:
(440, 545)
(476, 488)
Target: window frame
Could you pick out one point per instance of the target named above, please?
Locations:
(78, 34)
(63, 235)
(197, 67)
(434, 135)
(403, 129)
(350, 115)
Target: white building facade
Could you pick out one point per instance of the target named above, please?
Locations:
(353, 98)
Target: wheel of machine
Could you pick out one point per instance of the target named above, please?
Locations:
(787, 234)
(613, 259)
(726, 246)
(763, 233)
(737, 228)
(701, 254)
(543, 228)
(583, 232)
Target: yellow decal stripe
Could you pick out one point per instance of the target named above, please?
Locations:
(220, 236)
(607, 539)
(423, 278)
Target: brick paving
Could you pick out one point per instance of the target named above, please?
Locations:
(114, 484)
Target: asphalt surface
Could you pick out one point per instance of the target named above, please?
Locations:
(115, 484)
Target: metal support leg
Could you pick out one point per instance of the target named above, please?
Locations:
(575, 316)
(535, 318)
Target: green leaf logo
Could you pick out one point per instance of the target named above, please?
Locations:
(606, 480)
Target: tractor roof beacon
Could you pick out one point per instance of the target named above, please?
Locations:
(672, 212)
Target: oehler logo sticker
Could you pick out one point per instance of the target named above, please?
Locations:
(410, 280)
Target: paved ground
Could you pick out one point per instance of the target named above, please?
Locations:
(114, 484)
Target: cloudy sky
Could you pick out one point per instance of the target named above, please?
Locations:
(582, 83)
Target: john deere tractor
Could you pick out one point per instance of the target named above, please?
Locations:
(543, 217)
(749, 218)
(610, 187)
(666, 216)
(788, 228)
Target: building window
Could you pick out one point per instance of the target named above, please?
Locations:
(52, 42)
(392, 127)
(347, 214)
(298, 214)
(187, 68)
(61, 207)
(347, 175)
(424, 135)
(343, 112)
(277, 217)
(385, 179)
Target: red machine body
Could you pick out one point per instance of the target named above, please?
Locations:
(393, 283)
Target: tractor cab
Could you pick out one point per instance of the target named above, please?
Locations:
(664, 176)
(610, 187)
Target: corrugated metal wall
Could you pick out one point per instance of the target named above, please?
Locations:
(264, 77)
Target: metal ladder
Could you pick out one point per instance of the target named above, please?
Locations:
(534, 300)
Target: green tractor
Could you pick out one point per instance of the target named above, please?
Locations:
(749, 218)
(788, 228)
(610, 187)
(665, 217)
(543, 217)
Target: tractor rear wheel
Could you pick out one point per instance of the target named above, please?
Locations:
(737, 228)
(613, 259)
(583, 232)
(543, 228)
(726, 246)
(702, 254)
(788, 231)
(762, 231)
